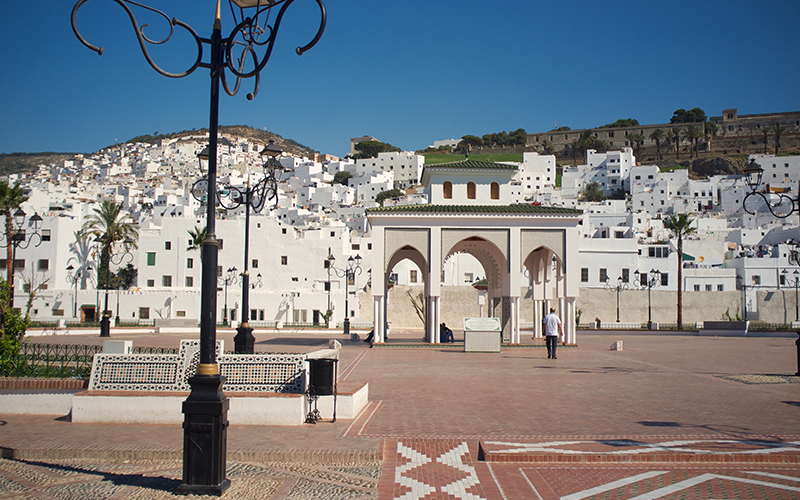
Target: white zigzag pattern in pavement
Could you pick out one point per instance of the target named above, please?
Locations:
(564, 447)
(451, 458)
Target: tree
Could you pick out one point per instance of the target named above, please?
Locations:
(13, 332)
(370, 149)
(675, 137)
(385, 195)
(766, 131)
(593, 192)
(711, 129)
(623, 122)
(778, 131)
(418, 303)
(32, 286)
(636, 140)
(657, 136)
(576, 145)
(693, 134)
(341, 177)
(694, 115)
(470, 141)
(680, 226)
(196, 238)
(110, 227)
(547, 147)
(11, 198)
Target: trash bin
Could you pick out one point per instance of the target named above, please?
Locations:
(321, 375)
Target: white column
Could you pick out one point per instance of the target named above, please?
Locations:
(377, 320)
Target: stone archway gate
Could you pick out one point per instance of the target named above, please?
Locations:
(519, 246)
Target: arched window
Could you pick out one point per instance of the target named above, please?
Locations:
(470, 190)
(495, 191)
(447, 190)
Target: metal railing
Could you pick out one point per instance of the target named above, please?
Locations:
(52, 361)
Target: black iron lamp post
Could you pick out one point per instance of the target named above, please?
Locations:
(231, 279)
(205, 410)
(648, 280)
(794, 281)
(107, 254)
(783, 207)
(20, 238)
(621, 286)
(352, 270)
(73, 277)
(255, 197)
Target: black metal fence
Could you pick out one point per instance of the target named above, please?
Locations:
(52, 361)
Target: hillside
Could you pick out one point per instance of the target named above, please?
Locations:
(14, 163)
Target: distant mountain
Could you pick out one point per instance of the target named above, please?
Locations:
(244, 131)
(15, 163)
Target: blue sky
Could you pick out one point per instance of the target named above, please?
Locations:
(407, 73)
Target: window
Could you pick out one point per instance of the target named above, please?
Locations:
(295, 279)
(720, 288)
(284, 260)
(584, 275)
(468, 278)
(495, 192)
(470, 190)
(180, 314)
(189, 282)
(626, 275)
(327, 286)
(219, 271)
(412, 277)
(151, 283)
(190, 263)
(697, 288)
(144, 313)
(58, 312)
(756, 279)
(355, 246)
(44, 264)
(166, 281)
(708, 288)
(46, 237)
(167, 245)
(664, 279)
(619, 234)
(283, 230)
(151, 258)
(447, 190)
(603, 275)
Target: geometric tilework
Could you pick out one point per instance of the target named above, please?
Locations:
(554, 240)
(397, 238)
(171, 372)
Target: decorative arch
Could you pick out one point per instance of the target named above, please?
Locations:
(495, 191)
(397, 238)
(447, 190)
(470, 190)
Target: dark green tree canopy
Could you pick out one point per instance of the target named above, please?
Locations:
(388, 195)
(341, 177)
(370, 149)
(622, 122)
(593, 192)
(694, 115)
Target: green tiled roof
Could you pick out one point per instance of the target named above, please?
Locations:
(519, 209)
(468, 164)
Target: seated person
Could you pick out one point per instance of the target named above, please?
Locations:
(445, 334)
(370, 336)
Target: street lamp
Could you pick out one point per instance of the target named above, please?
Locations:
(253, 196)
(231, 279)
(352, 270)
(621, 286)
(649, 280)
(107, 254)
(19, 238)
(72, 278)
(796, 280)
(205, 410)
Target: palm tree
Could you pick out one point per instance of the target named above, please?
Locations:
(657, 136)
(778, 131)
(676, 139)
(680, 226)
(711, 130)
(576, 145)
(11, 198)
(692, 134)
(636, 140)
(110, 226)
(197, 236)
(547, 147)
(766, 131)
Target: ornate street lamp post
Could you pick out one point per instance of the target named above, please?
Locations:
(20, 238)
(107, 254)
(621, 286)
(253, 197)
(231, 279)
(205, 410)
(649, 280)
(352, 270)
(782, 207)
(72, 278)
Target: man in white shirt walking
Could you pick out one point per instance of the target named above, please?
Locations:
(552, 331)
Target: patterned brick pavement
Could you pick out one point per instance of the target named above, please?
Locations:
(668, 417)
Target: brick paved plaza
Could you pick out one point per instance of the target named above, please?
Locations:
(669, 416)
